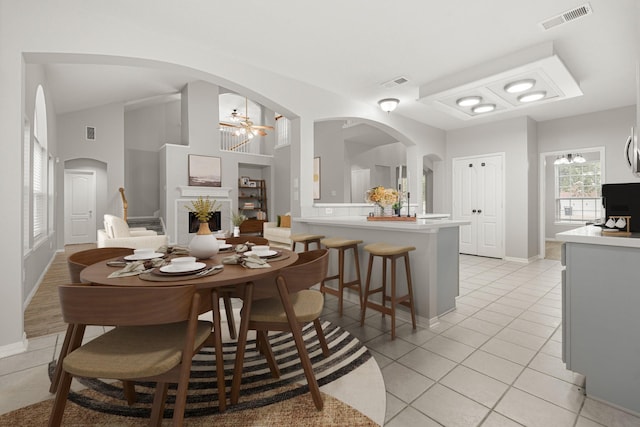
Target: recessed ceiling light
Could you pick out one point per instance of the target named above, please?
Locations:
(519, 86)
(469, 101)
(484, 108)
(532, 96)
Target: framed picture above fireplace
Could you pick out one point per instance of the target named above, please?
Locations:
(205, 171)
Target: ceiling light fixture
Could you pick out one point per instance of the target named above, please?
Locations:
(388, 104)
(578, 158)
(532, 96)
(469, 101)
(567, 159)
(520, 86)
(483, 108)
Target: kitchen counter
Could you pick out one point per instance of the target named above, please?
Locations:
(434, 263)
(593, 235)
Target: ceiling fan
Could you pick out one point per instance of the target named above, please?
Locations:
(243, 126)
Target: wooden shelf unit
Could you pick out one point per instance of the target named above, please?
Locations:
(252, 200)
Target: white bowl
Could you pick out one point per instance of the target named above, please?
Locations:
(143, 251)
(260, 249)
(184, 260)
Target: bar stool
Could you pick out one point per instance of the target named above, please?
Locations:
(342, 245)
(391, 253)
(305, 239)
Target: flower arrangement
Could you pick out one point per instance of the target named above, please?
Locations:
(203, 208)
(238, 218)
(382, 196)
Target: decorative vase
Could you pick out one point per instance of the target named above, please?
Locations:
(378, 210)
(204, 244)
(236, 231)
(388, 211)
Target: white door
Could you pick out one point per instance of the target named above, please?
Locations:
(478, 196)
(79, 206)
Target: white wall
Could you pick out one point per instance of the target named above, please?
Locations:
(107, 148)
(608, 129)
(509, 137)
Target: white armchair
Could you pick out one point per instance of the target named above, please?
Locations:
(117, 233)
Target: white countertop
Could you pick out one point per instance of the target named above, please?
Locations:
(421, 224)
(593, 235)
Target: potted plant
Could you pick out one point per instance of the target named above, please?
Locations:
(204, 244)
(237, 219)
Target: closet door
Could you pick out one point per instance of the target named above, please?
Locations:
(478, 197)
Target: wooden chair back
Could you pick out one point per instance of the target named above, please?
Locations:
(123, 306)
(78, 261)
(309, 269)
(256, 240)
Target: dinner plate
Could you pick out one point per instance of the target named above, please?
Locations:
(190, 268)
(224, 246)
(269, 254)
(142, 257)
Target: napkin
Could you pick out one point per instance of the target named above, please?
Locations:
(174, 250)
(232, 259)
(254, 261)
(137, 267)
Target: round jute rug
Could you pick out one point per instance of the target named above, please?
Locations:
(298, 411)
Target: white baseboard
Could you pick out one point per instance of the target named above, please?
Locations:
(522, 260)
(15, 348)
(26, 302)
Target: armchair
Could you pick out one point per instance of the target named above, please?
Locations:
(116, 233)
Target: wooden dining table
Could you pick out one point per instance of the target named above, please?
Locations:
(247, 283)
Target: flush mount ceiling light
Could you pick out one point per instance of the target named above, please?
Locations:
(483, 108)
(532, 96)
(510, 82)
(469, 101)
(519, 86)
(388, 104)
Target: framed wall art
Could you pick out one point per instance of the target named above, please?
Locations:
(205, 171)
(316, 178)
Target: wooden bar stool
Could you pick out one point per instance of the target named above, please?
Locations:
(391, 253)
(305, 239)
(342, 245)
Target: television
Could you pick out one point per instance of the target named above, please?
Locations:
(622, 200)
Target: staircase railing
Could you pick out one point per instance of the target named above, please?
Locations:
(125, 205)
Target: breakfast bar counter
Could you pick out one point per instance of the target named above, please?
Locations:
(434, 263)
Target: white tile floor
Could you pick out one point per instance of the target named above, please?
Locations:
(494, 361)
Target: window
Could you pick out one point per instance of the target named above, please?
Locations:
(578, 191)
(39, 171)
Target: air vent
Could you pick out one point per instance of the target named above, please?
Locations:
(90, 133)
(395, 82)
(569, 15)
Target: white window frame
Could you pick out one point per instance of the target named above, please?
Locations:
(566, 206)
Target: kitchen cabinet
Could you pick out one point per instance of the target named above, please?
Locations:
(478, 197)
(601, 337)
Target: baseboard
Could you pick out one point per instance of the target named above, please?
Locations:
(26, 302)
(15, 348)
(522, 260)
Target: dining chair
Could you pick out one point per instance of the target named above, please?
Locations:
(227, 293)
(294, 306)
(157, 335)
(77, 262)
(256, 240)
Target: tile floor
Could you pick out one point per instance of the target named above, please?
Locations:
(494, 361)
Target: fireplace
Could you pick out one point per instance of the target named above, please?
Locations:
(215, 221)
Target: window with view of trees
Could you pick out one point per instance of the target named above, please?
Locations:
(578, 192)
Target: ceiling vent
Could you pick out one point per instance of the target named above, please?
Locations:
(90, 133)
(569, 15)
(395, 82)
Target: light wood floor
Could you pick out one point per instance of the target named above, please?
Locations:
(43, 316)
(552, 250)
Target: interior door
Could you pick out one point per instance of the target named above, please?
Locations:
(79, 206)
(465, 202)
(478, 197)
(489, 206)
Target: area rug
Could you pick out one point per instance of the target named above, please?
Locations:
(286, 395)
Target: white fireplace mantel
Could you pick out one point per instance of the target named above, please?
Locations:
(215, 192)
